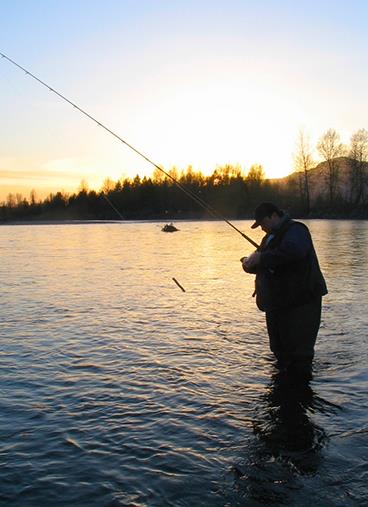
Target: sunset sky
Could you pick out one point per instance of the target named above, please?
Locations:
(186, 82)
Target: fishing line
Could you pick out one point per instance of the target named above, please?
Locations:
(188, 192)
(111, 204)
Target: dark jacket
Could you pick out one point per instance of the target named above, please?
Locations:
(288, 274)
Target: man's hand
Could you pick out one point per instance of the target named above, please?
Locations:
(252, 261)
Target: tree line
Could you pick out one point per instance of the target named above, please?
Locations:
(331, 150)
(228, 189)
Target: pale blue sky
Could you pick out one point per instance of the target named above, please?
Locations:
(186, 82)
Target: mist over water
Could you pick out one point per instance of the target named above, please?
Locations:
(118, 389)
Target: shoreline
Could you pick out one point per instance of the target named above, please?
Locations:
(157, 220)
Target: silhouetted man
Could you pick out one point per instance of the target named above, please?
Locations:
(289, 287)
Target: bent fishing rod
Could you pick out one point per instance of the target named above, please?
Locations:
(188, 192)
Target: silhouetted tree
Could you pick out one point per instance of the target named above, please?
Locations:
(108, 185)
(330, 147)
(10, 201)
(83, 186)
(359, 156)
(303, 162)
(255, 182)
(33, 197)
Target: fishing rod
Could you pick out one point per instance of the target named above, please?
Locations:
(188, 192)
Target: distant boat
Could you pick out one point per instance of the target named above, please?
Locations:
(169, 228)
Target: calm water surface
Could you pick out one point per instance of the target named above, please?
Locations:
(119, 389)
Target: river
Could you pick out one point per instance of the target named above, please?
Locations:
(119, 389)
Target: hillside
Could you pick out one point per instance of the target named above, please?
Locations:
(318, 179)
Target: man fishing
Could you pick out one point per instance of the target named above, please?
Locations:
(289, 288)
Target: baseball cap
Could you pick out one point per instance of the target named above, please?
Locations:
(265, 209)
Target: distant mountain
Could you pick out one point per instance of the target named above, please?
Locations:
(318, 180)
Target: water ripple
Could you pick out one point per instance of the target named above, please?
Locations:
(118, 389)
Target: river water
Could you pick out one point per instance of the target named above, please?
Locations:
(119, 389)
